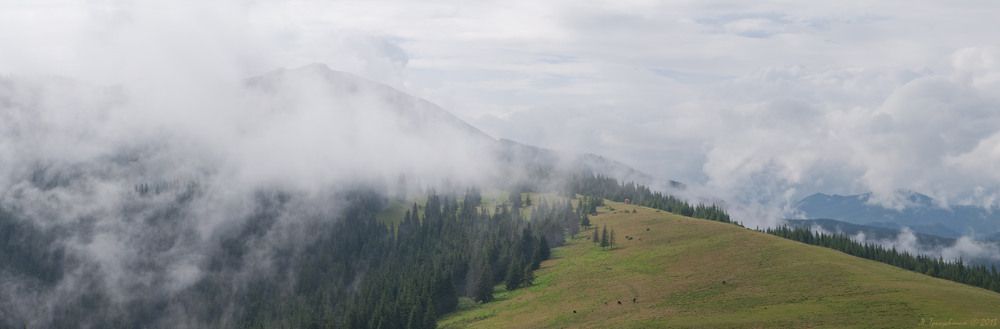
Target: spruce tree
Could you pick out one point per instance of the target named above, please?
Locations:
(415, 217)
(604, 238)
(529, 276)
(515, 201)
(536, 259)
(527, 244)
(543, 248)
(515, 274)
(430, 316)
(484, 290)
(611, 240)
(541, 253)
(416, 319)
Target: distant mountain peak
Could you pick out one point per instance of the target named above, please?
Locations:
(321, 67)
(906, 198)
(920, 212)
(423, 118)
(919, 199)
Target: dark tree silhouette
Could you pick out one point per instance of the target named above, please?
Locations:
(515, 274)
(605, 239)
(484, 289)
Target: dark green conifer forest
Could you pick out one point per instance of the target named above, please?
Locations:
(596, 188)
(359, 272)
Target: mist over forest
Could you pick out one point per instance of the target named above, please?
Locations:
(117, 214)
(183, 164)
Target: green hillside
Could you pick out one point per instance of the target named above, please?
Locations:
(675, 266)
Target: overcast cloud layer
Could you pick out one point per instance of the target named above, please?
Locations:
(759, 104)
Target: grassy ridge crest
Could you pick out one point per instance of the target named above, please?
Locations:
(675, 271)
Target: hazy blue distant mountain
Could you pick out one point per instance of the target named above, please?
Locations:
(871, 233)
(891, 238)
(922, 214)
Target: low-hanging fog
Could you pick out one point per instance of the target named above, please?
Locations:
(136, 163)
(964, 248)
(124, 197)
(758, 104)
(113, 113)
(131, 191)
(127, 189)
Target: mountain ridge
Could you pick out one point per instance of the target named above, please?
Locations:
(427, 116)
(680, 272)
(921, 214)
(340, 81)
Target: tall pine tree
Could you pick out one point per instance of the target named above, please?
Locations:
(611, 240)
(605, 238)
(515, 273)
(430, 316)
(484, 290)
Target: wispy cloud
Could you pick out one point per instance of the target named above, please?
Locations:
(834, 97)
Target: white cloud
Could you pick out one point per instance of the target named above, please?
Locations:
(771, 99)
(964, 248)
(757, 103)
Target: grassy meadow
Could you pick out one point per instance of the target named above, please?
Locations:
(674, 268)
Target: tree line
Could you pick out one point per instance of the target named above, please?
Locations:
(353, 271)
(373, 275)
(958, 271)
(455, 249)
(596, 188)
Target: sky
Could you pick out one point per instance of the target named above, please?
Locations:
(760, 104)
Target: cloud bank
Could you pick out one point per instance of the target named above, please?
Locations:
(760, 104)
(126, 192)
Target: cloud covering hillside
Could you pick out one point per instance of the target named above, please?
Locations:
(762, 104)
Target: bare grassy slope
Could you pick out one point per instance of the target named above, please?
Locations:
(675, 272)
